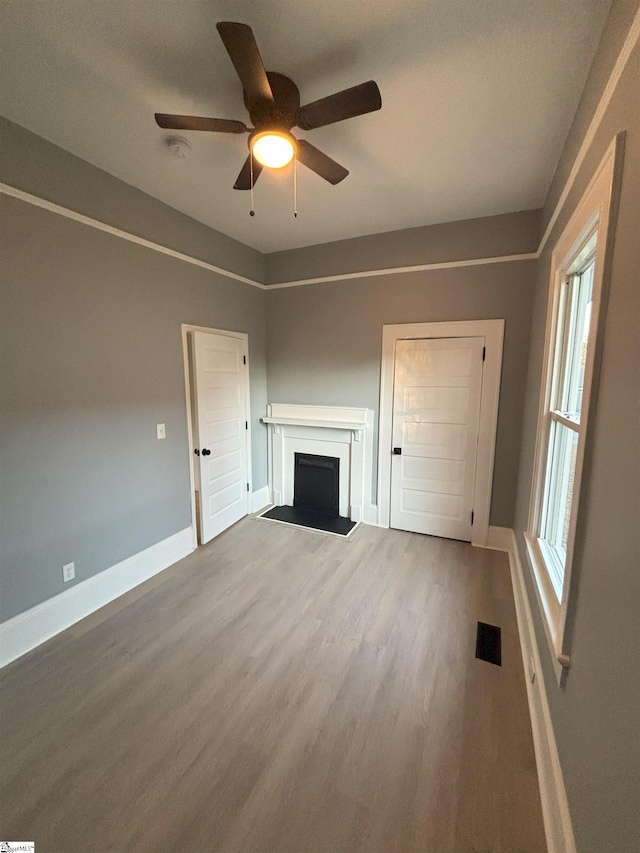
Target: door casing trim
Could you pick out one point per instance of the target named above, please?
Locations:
(493, 333)
(242, 336)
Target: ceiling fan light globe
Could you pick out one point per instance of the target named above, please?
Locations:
(273, 148)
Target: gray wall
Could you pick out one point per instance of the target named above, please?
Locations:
(489, 237)
(91, 361)
(36, 166)
(325, 342)
(595, 716)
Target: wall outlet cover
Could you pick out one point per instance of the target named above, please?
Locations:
(161, 431)
(68, 572)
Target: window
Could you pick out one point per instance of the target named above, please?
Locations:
(563, 419)
(567, 393)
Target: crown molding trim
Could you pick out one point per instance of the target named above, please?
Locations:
(52, 207)
(442, 265)
(60, 210)
(614, 78)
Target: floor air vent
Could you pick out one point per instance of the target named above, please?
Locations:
(489, 643)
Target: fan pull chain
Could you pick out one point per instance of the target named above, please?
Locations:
(295, 185)
(252, 211)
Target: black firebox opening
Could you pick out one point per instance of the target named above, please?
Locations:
(316, 484)
(316, 496)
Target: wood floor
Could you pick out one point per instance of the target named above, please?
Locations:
(280, 691)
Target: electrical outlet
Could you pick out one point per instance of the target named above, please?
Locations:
(161, 432)
(68, 572)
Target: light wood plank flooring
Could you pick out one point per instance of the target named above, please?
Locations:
(280, 691)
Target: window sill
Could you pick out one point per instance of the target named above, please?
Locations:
(548, 602)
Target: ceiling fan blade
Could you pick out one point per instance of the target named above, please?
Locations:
(219, 125)
(356, 101)
(314, 159)
(243, 181)
(243, 51)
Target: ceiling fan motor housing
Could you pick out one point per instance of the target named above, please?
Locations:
(279, 114)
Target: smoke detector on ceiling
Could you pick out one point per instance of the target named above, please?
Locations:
(179, 147)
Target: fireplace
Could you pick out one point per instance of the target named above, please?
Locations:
(320, 458)
(316, 484)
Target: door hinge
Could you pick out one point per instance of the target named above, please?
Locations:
(244, 359)
(246, 424)
(484, 353)
(247, 486)
(471, 516)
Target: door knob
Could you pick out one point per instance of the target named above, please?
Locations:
(206, 452)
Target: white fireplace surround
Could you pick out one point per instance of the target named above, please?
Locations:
(338, 431)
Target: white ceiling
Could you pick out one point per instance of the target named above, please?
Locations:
(477, 99)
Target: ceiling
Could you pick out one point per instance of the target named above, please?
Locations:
(477, 100)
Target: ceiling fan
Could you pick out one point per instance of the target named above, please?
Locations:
(273, 103)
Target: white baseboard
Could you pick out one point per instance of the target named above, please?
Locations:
(370, 513)
(499, 538)
(555, 807)
(371, 516)
(260, 499)
(33, 627)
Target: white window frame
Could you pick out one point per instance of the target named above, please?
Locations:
(592, 215)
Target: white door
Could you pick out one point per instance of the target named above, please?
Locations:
(436, 412)
(221, 439)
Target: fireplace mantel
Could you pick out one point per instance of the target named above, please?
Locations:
(340, 431)
(312, 422)
(328, 417)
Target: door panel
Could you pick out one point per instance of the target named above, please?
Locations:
(445, 476)
(437, 389)
(441, 506)
(433, 440)
(445, 400)
(217, 432)
(220, 377)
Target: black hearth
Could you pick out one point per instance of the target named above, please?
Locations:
(316, 496)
